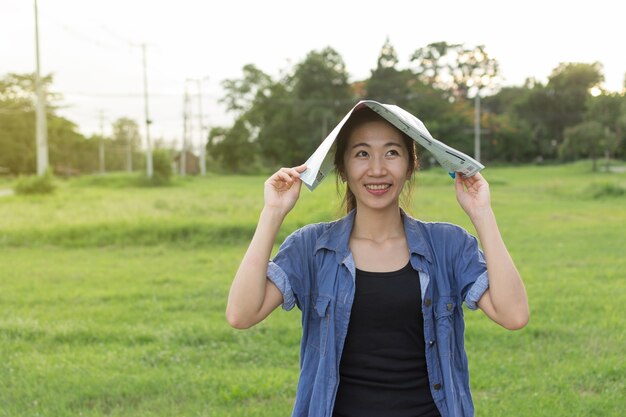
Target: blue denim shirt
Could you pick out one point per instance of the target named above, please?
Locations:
(314, 269)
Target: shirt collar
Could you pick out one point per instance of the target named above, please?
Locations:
(337, 237)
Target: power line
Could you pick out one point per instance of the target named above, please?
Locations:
(86, 38)
(122, 95)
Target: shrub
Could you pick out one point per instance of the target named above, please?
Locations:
(161, 169)
(162, 163)
(35, 184)
(602, 190)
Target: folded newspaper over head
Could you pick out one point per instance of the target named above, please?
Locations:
(321, 162)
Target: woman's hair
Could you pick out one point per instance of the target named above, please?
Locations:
(358, 118)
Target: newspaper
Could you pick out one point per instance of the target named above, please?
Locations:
(321, 162)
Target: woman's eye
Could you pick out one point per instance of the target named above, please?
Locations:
(393, 152)
(361, 154)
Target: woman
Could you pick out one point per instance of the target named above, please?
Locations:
(381, 293)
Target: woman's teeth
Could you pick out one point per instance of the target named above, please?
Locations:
(377, 186)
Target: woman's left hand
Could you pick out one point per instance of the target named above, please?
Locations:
(473, 195)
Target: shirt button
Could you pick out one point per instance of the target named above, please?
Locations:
(431, 342)
(437, 387)
(427, 302)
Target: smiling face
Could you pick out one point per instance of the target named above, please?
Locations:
(376, 163)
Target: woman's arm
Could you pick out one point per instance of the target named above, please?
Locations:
(252, 296)
(505, 300)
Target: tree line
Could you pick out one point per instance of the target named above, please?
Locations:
(70, 152)
(279, 121)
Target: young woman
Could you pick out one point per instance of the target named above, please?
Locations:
(381, 293)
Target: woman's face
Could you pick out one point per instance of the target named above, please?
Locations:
(376, 165)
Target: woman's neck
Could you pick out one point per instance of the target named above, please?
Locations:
(378, 225)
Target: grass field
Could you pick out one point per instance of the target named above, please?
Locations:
(112, 297)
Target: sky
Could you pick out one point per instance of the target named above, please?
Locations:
(92, 47)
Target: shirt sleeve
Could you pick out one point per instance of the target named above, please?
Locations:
(471, 271)
(289, 268)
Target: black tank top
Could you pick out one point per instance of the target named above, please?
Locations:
(383, 364)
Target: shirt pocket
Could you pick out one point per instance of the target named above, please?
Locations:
(444, 325)
(319, 324)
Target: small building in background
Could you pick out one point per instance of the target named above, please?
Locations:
(192, 163)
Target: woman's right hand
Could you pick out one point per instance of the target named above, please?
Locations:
(282, 189)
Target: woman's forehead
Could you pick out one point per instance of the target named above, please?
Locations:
(375, 132)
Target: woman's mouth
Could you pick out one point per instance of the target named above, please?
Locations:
(377, 189)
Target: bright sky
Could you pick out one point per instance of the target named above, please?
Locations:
(87, 44)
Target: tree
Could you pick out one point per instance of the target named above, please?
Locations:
(622, 126)
(609, 109)
(510, 137)
(126, 135)
(507, 138)
(455, 68)
(258, 101)
(241, 94)
(387, 84)
(321, 93)
(584, 139)
(458, 72)
(532, 109)
(505, 99)
(233, 149)
(569, 88)
(276, 116)
(284, 120)
(560, 104)
(17, 129)
(70, 153)
(17, 122)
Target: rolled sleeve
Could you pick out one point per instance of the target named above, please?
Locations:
(476, 291)
(470, 269)
(276, 274)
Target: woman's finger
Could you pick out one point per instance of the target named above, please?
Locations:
(292, 171)
(459, 182)
(284, 177)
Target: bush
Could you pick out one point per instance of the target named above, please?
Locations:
(602, 190)
(161, 169)
(35, 184)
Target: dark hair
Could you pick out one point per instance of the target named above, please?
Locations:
(358, 118)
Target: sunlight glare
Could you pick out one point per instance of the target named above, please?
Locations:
(595, 91)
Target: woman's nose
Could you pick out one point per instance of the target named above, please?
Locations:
(377, 166)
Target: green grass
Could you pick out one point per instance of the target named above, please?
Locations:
(112, 297)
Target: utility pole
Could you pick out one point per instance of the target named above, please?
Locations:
(183, 159)
(40, 111)
(202, 131)
(148, 121)
(477, 126)
(101, 144)
(201, 127)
